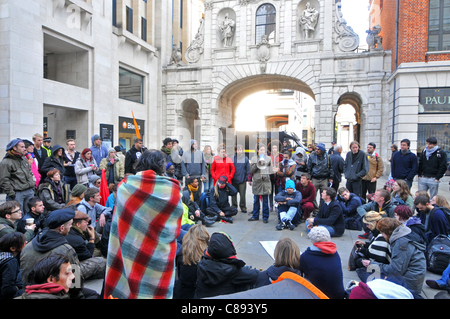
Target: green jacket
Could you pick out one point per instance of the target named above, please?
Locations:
(7, 227)
(15, 175)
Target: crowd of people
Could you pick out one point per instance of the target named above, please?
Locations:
(145, 231)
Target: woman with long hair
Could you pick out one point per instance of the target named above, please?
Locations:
(401, 191)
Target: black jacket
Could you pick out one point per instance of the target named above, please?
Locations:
(331, 215)
(130, 160)
(356, 167)
(222, 201)
(9, 276)
(53, 162)
(79, 242)
(435, 166)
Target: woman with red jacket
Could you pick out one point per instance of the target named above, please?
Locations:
(222, 165)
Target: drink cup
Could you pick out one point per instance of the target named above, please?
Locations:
(30, 221)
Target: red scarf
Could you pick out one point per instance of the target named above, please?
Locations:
(48, 288)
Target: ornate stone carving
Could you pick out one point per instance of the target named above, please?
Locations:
(244, 2)
(195, 50)
(373, 39)
(227, 28)
(176, 57)
(209, 5)
(263, 52)
(345, 37)
(308, 21)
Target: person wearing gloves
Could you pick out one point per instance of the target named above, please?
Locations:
(219, 202)
(288, 204)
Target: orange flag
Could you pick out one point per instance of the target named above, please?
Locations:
(104, 189)
(136, 128)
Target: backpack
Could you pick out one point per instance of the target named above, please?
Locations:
(204, 200)
(438, 254)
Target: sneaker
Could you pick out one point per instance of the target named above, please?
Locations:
(280, 226)
(252, 219)
(364, 236)
(290, 225)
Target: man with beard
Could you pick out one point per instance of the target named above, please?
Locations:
(435, 219)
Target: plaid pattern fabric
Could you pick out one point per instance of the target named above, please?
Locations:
(142, 244)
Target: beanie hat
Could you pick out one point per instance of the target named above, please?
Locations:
(78, 190)
(93, 178)
(319, 234)
(168, 165)
(289, 184)
(13, 143)
(110, 149)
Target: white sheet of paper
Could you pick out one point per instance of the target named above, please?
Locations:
(269, 246)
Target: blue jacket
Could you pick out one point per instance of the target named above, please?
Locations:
(404, 166)
(349, 208)
(98, 153)
(242, 169)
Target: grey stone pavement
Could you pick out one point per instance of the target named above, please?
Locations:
(247, 235)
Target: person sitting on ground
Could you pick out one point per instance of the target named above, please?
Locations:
(402, 194)
(330, 214)
(287, 258)
(380, 289)
(10, 214)
(11, 285)
(288, 205)
(349, 203)
(405, 216)
(376, 249)
(219, 203)
(50, 278)
(195, 242)
(306, 188)
(442, 283)
(220, 272)
(381, 201)
(433, 218)
(53, 192)
(407, 256)
(195, 213)
(82, 238)
(91, 206)
(321, 264)
(36, 212)
(77, 194)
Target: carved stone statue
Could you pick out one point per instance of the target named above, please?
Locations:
(176, 57)
(227, 29)
(195, 50)
(373, 39)
(308, 21)
(263, 52)
(345, 37)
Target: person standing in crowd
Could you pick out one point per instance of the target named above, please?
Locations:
(114, 168)
(320, 170)
(16, 178)
(47, 145)
(337, 164)
(10, 215)
(56, 160)
(222, 165)
(306, 188)
(177, 152)
(29, 146)
(166, 149)
(99, 151)
(330, 214)
(39, 152)
(301, 160)
(321, 264)
(286, 171)
(276, 158)
(208, 155)
(376, 168)
(261, 168)
(432, 167)
(356, 166)
(85, 167)
(147, 270)
(53, 191)
(239, 181)
(193, 164)
(219, 203)
(404, 163)
(70, 158)
(133, 155)
(331, 150)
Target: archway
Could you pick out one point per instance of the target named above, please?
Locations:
(348, 120)
(189, 122)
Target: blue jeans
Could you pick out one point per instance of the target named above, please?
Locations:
(445, 279)
(209, 183)
(289, 211)
(329, 228)
(256, 206)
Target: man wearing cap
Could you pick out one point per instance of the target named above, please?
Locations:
(16, 178)
(432, 166)
(219, 203)
(99, 151)
(47, 145)
(82, 238)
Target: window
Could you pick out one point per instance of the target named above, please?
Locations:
(439, 25)
(131, 86)
(440, 131)
(266, 22)
(114, 13)
(129, 19)
(144, 29)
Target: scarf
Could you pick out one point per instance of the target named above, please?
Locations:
(143, 238)
(48, 288)
(166, 150)
(13, 153)
(192, 190)
(428, 152)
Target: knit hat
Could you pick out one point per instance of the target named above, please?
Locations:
(168, 165)
(289, 184)
(93, 178)
(13, 143)
(319, 234)
(390, 183)
(78, 190)
(110, 149)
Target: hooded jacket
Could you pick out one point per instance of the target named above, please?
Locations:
(321, 265)
(53, 162)
(94, 212)
(319, 166)
(435, 166)
(193, 162)
(98, 152)
(388, 208)
(219, 272)
(272, 274)
(15, 175)
(222, 166)
(407, 259)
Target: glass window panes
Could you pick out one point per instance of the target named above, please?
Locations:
(131, 86)
(439, 25)
(265, 22)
